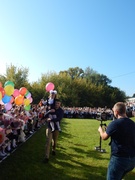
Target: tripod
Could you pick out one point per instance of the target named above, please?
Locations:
(98, 148)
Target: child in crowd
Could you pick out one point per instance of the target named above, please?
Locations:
(53, 116)
(2, 143)
(5, 120)
(15, 126)
(50, 104)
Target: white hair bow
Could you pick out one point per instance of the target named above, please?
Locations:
(53, 91)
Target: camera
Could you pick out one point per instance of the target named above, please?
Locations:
(101, 117)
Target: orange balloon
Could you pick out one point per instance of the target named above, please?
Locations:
(19, 100)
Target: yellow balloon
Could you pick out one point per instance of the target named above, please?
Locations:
(9, 90)
(26, 102)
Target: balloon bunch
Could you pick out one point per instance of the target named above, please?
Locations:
(10, 95)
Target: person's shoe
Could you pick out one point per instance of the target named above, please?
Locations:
(2, 154)
(46, 160)
(53, 153)
(8, 150)
(14, 146)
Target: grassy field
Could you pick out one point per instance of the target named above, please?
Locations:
(76, 156)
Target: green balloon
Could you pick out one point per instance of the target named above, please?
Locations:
(27, 108)
(27, 92)
(9, 83)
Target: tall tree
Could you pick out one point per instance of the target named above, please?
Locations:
(18, 75)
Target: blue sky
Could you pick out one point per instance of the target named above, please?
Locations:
(54, 35)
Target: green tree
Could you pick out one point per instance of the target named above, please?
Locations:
(74, 72)
(18, 75)
(37, 92)
(75, 86)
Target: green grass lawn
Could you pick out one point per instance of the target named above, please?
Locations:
(76, 155)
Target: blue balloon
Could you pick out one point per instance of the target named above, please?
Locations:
(6, 99)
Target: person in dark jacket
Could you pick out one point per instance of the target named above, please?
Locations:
(122, 133)
(52, 137)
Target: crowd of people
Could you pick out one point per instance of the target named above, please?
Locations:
(17, 124)
(93, 113)
(86, 112)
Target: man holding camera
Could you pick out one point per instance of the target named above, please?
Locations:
(122, 133)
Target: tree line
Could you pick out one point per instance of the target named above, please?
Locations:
(75, 86)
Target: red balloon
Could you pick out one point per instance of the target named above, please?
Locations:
(22, 91)
(49, 86)
(2, 90)
(12, 99)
